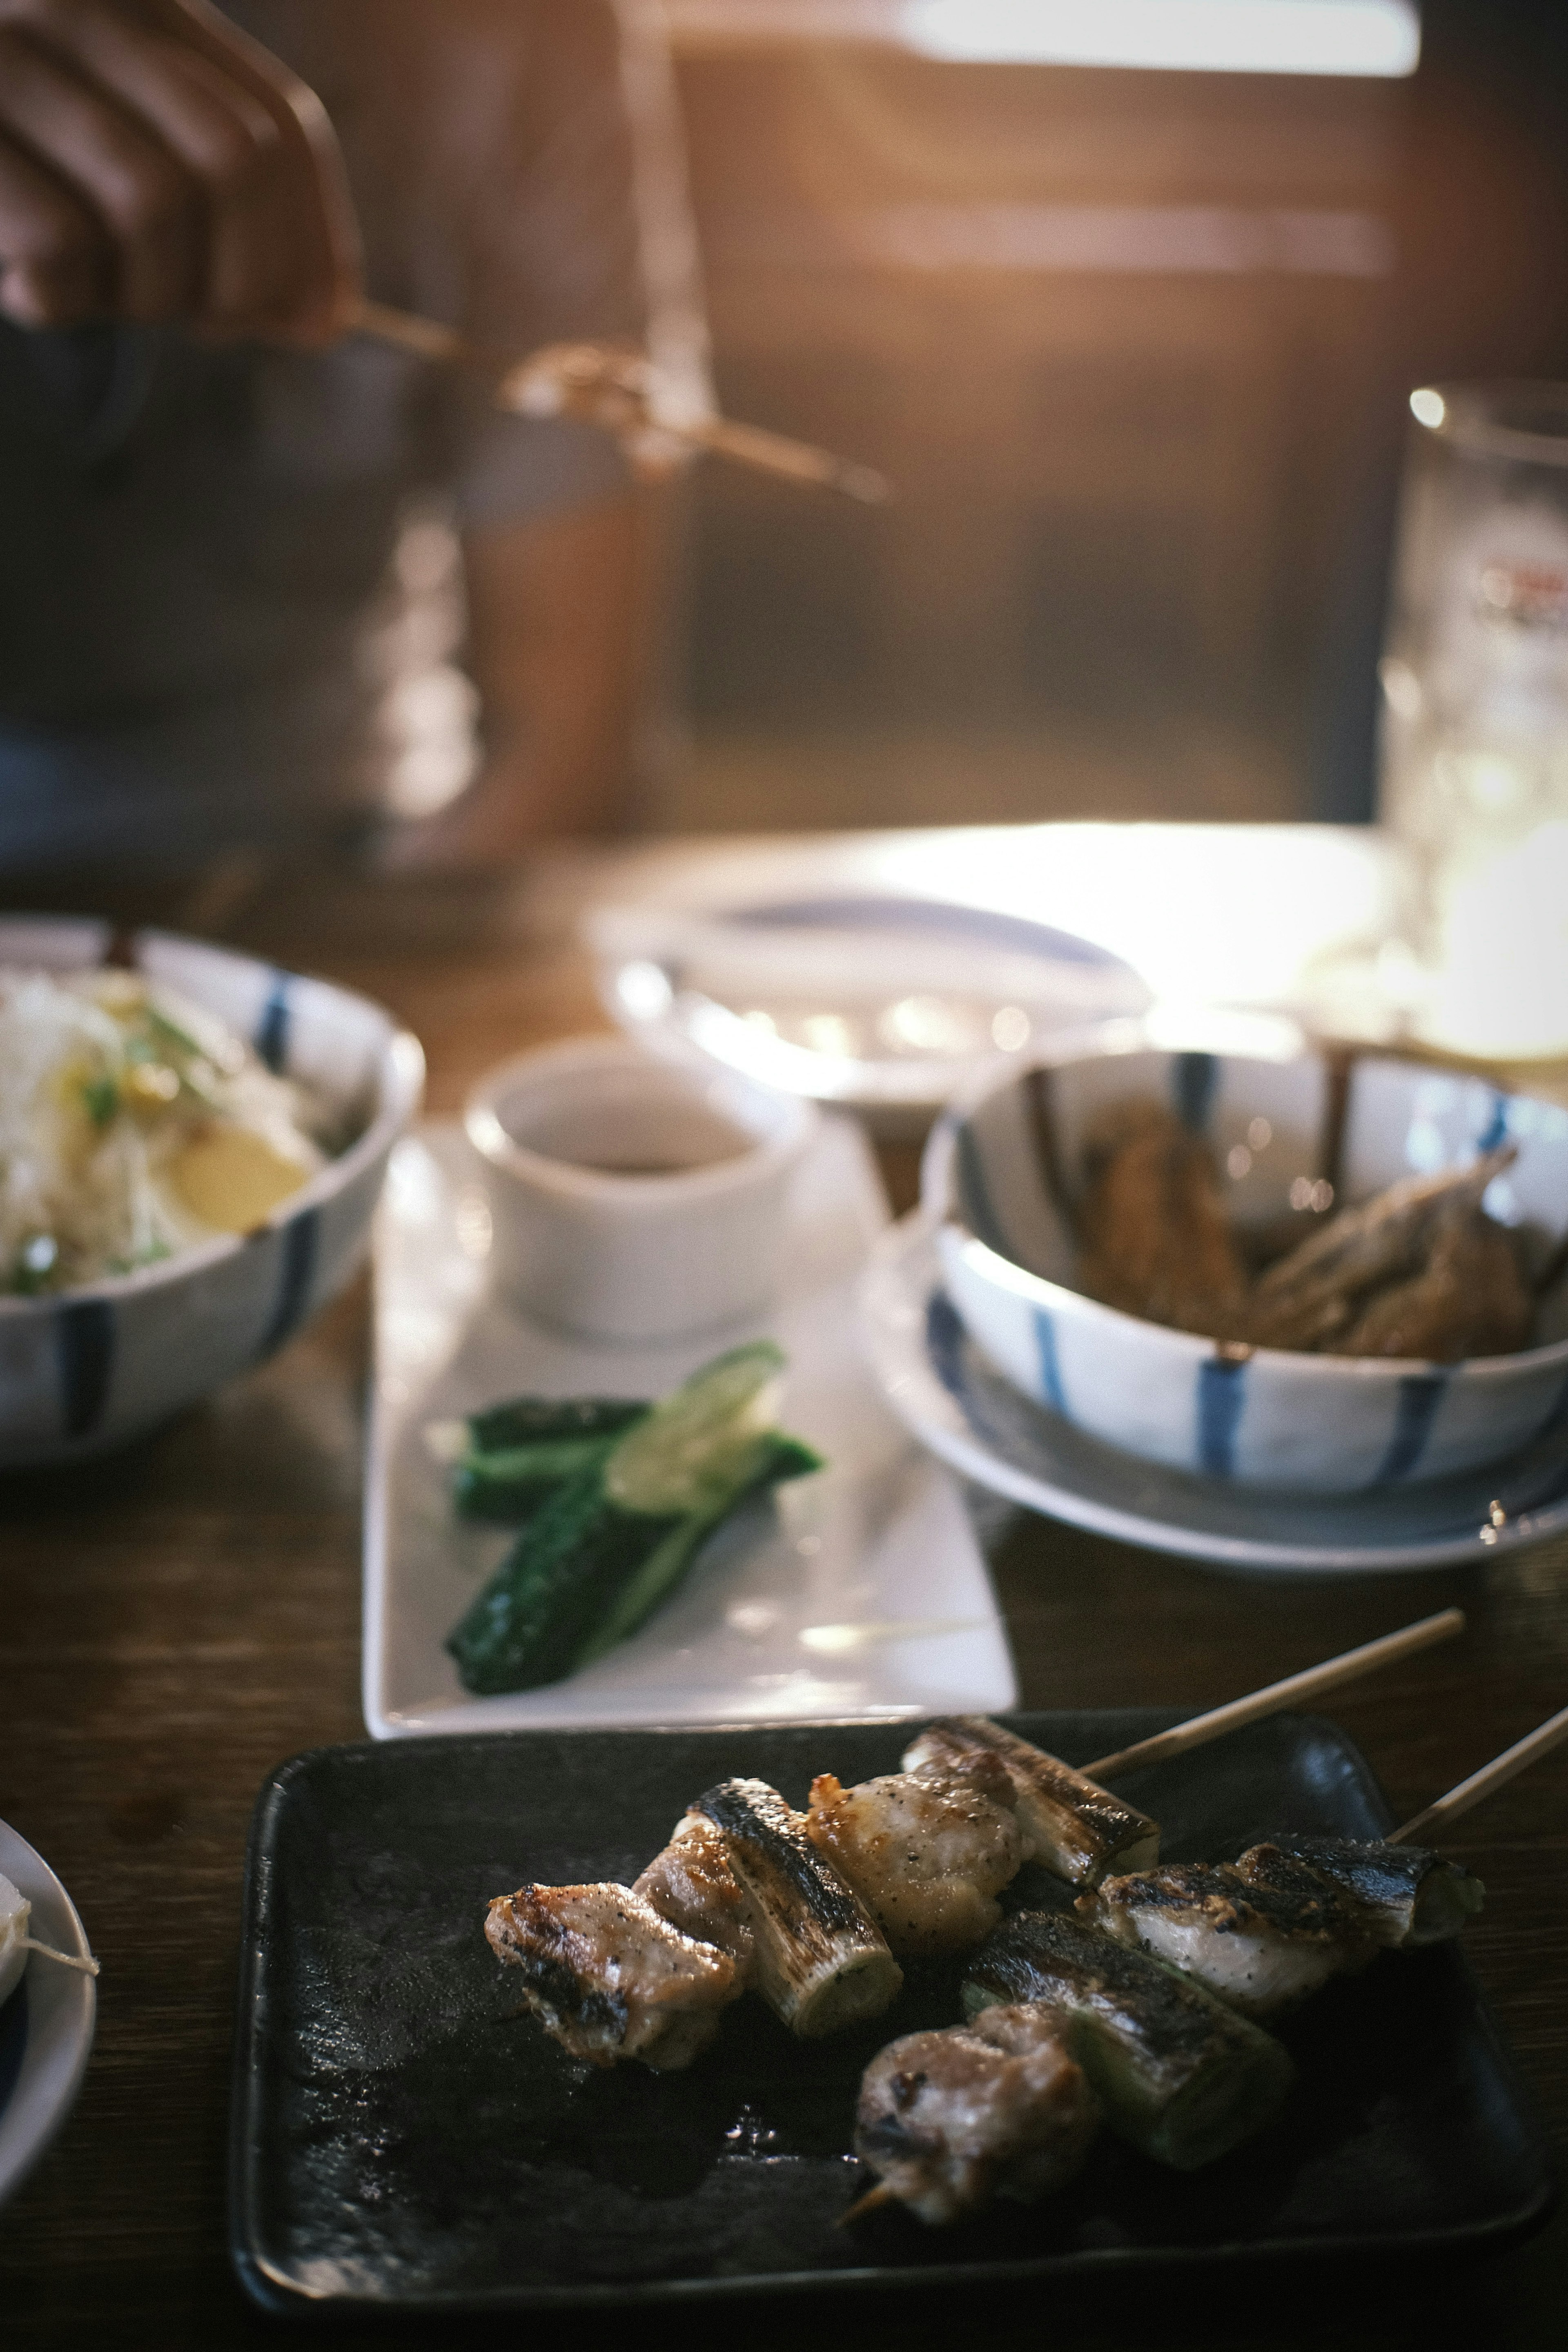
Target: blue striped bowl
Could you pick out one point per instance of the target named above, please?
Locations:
(88, 1369)
(1001, 1165)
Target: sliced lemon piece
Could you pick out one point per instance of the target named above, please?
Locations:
(232, 1180)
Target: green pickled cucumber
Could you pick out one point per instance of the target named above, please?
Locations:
(609, 1547)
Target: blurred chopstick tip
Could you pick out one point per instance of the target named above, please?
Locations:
(864, 482)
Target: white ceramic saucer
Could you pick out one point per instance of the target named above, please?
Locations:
(940, 1384)
(859, 1592)
(46, 2027)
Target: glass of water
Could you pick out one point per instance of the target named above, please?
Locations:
(1474, 758)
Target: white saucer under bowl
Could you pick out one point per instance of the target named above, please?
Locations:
(46, 2026)
(944, 1389)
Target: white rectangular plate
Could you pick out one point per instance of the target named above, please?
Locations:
(859, 1592)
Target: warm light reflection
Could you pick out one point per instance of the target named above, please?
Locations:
(1379, 37)
(1376, 37)
(1428, 407)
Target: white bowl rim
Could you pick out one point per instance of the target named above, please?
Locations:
(1190, 1347)
(630, 1194)
(400, 1069)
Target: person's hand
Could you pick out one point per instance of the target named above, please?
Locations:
(155, 164)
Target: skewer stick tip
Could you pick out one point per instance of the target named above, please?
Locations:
(873, 2199)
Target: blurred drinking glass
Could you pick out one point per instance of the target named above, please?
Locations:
(1475, 713)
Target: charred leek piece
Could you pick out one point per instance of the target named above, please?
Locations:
(1407, 1895)
(1077, 1831)
(1179, 2076)
(1260, 1945)
(820, 1961)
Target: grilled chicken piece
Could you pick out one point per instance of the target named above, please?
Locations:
(1405, 1895)
(608, 1977)
(927, 1852)
(691, 1885)
(1181, 2076)
(950, 2120)
(1077, 1831)
(1152, 1222)
(820, 1961)
(1262, 1945)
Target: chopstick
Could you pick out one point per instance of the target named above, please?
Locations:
(746, 445)
(1539, 1742)
(427, 338)
(1311, 1684)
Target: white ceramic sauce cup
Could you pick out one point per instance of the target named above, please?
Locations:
(631, 1199)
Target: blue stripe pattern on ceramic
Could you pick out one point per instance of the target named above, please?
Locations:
(296, 1272)
(1496, 1129)
(1193, 1080)
(271, 1039)
(84, 1360)
(1420, 1393)
(1221, 1393)
(1051, 1388)
(981, 1211)
(944, 1342)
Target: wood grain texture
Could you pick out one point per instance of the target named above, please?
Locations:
(174, 1624)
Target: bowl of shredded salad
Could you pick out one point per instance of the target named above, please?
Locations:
(191, 1147)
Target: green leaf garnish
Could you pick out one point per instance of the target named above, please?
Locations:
(100, 1098)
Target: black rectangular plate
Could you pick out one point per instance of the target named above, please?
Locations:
(404, 2139)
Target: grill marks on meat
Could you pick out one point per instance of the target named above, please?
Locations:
(1261, 1942)
(1180, 2073)
(691, 1885)
(950, 2119)
(1076, 1829)
(608, 1977)
(927, 1852)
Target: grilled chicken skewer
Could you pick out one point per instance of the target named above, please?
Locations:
(691, 1885)
(950, 2119)
(1078, 1829)
(927, 1850)
(1071, 1822)
(1179, 2076)
(1264, 1931)
(608, 1977)
(1262, 1938)
(820, 1960)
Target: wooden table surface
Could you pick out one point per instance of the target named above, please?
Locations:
(174, 1624)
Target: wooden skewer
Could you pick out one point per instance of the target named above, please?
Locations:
(425, 337)
(748, 445)
(1311, 1684)
(796, 461)
(880, 2195)
(1491, 1776)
